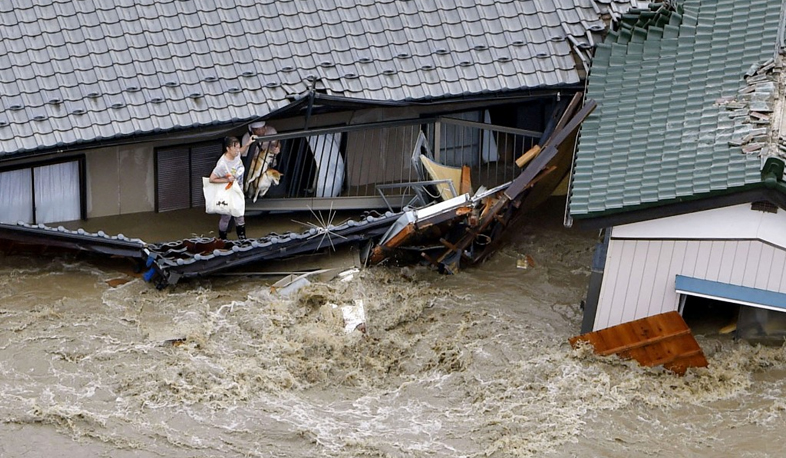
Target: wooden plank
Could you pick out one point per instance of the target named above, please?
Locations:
(466, 180)
(662, 339)
(379, 252)
(401, 237)
(566, 115)
(528, 156)
(641, 343)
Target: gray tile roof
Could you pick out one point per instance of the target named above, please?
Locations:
(76, 72)
(678, 97)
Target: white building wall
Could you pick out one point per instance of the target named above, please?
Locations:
(733, 245)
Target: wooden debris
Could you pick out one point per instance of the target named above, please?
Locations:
(729, 328)
(468, 229)
(380, 252)
(175, 342)
(115, 282)
(525, 158)
(662, 339)
(465, 187)
(525, 262)
(528, 156)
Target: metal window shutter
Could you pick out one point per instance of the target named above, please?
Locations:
(171, 181)
(203, 160)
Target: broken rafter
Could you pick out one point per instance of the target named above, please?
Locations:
(566, 115)
(505, 220)
(380, 252)
(449, 260)
(539, 163)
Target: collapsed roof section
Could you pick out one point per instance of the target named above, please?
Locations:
(74, 73)
(687, 96)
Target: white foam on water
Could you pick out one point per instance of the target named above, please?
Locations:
(476, 364)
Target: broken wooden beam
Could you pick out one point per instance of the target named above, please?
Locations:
(528, 156)
(522, 181)
(566, 115)
(379, 252)
(496, 234)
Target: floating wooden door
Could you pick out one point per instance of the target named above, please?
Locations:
(662, 339)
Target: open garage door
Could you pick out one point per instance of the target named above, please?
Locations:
(761, 314)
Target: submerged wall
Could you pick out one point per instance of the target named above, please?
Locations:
(643, 259)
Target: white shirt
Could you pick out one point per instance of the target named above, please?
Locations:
(233, 167)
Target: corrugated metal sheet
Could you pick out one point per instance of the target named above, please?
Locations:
(77, 72)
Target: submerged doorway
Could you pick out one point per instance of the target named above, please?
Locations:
(713, 316)
(709, 316)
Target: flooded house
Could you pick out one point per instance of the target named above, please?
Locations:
(681, 170)
(121, 109)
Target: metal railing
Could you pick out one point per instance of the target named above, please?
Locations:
(345, 167)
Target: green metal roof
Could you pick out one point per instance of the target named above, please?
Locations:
(675, 88)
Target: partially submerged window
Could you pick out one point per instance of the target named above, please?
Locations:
(761, 325)
(43, 193)
(760, 313)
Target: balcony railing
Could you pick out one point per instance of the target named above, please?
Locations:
(369, 166)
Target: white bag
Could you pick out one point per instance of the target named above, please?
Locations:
(223, 201)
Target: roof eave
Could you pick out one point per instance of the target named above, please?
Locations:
(681, 205)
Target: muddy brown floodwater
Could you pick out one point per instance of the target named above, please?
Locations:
(472, 365)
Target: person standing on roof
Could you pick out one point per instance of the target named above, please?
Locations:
(228, 169)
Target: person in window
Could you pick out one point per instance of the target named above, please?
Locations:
(228, 169)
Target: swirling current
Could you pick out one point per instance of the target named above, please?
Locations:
(472, 365)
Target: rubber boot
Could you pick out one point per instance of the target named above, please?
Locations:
(222, 234)
(241, 232)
